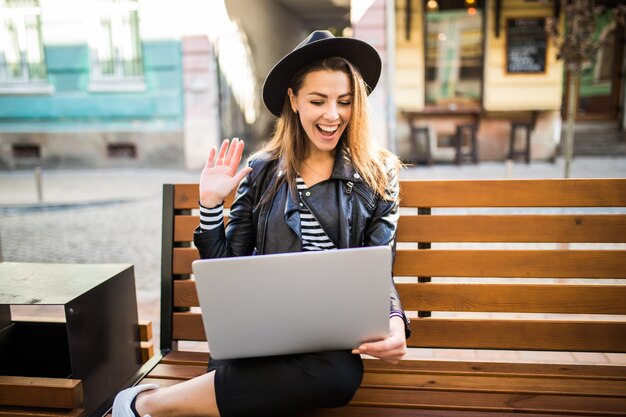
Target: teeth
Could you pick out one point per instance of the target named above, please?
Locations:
(328, 129)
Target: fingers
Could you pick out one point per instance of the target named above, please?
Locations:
(222, 153)
(391, 349)
(241, 174)
(210, 162)
(236, 154)
(231, 150)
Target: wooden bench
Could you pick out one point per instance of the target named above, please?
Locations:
(563, 314)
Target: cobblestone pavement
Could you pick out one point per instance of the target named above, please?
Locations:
(114, 216)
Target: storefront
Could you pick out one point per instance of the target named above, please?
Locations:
(472, 76)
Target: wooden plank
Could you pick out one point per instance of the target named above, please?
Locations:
(188, 326)
(462, 383)
(177, 357)
(147, 351)
(511, 263)
(184, 226)
(495, 298)
(41, 392)
(515, 193)
(186, 197)
(514, 298)
(599, 228)
(484, 193)
(41, 412)
(486, 263)
(145, 330)
(510, 384)
(375, 411)
(185, 294)
(490, 402)
(604, 372)
(182, 259)
(531, 370)
(599, 336)
(572, 336)
(184, 372)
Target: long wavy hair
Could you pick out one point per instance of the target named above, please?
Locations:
(289, 142)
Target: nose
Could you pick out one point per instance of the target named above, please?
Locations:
(331, 112)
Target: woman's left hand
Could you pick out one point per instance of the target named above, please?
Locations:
(392, 349)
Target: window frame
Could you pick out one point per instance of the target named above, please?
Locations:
(18, 14)
(119, 79)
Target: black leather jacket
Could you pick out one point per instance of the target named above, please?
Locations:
(348, 210)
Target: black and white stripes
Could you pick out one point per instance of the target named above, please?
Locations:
(313, 236)
(211, 218)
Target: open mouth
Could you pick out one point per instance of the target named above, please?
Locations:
(327, 131)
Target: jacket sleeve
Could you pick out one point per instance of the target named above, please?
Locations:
(381, 231)
(239, 236)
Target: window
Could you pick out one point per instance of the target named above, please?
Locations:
(454, 53)
(22, 62)
(115, 47)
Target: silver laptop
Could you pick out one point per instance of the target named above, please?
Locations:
(294, 303)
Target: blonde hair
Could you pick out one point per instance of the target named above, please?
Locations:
(289, 141)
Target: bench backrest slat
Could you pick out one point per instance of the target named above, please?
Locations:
(501, 298)
(511, 263)
(514, 193)
(521, 280)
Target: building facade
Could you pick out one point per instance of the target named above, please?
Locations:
(117, 83)
(472, 69)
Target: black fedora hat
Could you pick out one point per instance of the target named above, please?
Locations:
(319, 45)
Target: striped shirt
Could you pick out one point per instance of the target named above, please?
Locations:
(314, 238)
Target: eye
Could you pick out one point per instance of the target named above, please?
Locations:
(317, 102)
(346, 103)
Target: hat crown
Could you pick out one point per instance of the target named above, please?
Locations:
(316, 36)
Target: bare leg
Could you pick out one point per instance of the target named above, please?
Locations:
(195, 397)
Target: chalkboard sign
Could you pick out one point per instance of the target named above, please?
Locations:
(526, 44)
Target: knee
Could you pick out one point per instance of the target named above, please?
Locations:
(340, 380)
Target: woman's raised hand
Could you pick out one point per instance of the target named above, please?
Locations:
(219, 176)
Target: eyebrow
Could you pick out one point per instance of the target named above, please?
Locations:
(315, 93)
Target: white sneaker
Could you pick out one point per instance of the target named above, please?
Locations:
(121, 404)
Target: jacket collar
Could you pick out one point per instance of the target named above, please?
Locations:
(343, 169)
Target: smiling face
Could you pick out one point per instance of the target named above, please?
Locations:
(324, 106)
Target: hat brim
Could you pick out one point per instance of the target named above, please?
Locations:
(360, 54)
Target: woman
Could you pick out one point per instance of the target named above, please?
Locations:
(320, 183)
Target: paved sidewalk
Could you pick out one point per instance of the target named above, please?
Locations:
(114, 216)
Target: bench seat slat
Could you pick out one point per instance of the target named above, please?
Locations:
(373, 411)
(429, 381)
(488, 402)
(514, 298)
(165, 371)
(511, 263)
(557, 335)
(608, 372)
(598, 228)
(514, 193)
(521, 385)
(41, 392)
